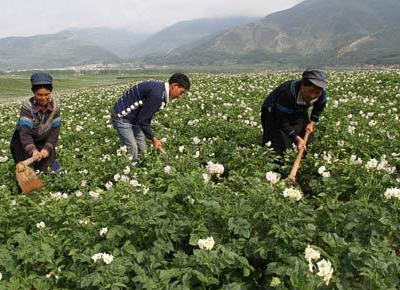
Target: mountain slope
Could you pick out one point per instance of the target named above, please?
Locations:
(314, 31)
(185, 33)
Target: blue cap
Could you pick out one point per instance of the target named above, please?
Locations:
(41, 78)
(316, 76)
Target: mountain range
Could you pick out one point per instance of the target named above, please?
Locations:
(314, 32)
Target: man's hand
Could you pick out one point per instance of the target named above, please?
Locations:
(37, 154)
(310, 127)
(157, 145)
(300, 143)
(44, 153)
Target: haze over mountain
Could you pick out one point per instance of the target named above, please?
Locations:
(67, 48)
(322, 32)
(314, 32)
(184, 33)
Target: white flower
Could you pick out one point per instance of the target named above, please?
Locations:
(326, 174)
(58, 196)
(40, 225)
(355, 160)
(292, 193)
(3, 159)
(325, 270)
(84, 183)
(1, 276)
(94, 194)
(78, 128)
(107, 258)
(167, 169)
(13, 203)
(268, 144)
(85, 221)
(311, 254)
(181, 148)
(323, 172)
(206, 244)
(392, 193)
(373, 163)
(190, 199)
(351, 129)
(117, 177)
(103, 232)
(127, 170)
(206, 177)
(84, 172)
(196, 140)
(134, 183)
(272, 177)
(197, 154)
(109, 185)
(215, 168)
(78, 193)
(97, 256)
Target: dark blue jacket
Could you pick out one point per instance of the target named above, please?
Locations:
(283, 103)
(139, 104)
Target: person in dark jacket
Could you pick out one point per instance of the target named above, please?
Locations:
(38, 127)
(134, 110)
(284, 113)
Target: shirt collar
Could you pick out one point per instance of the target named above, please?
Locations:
(166, 93)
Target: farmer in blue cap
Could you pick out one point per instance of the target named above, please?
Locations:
(284, 114)
(38, 127)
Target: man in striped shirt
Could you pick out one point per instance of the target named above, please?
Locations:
(134, 110)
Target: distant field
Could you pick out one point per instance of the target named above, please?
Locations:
(14, 87)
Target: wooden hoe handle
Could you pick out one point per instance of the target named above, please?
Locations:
(296, 165)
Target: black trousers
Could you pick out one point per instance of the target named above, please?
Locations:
(280, 141)
(19, 154)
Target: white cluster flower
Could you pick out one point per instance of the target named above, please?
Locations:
(107, 258)
(94, 194)
(196, 140)
(181, 148)
(13, 203)
(272, 177)
(83, 183)
(127, 170)
(167, 170)
(310, 255)
(40, 225)
(325, 270)
(108, 185)
(78, 193)
(355, 160)
(384, 166)
(134, 183)
(322, 171)
(206, 244)
(58, 196)
(79, 128)
(193, 122)
(103, 231)
(292, 193)
(351, 129)
(85, 221)
(215, 168)
(371, 164)
(122, 150)
(3, 159)
(205, 177)
(117, 177)
(392, 193)
(84, 172)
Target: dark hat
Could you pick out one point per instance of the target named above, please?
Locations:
(41, 78)
(316, 76)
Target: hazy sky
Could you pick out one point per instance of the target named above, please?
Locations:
(30, 17)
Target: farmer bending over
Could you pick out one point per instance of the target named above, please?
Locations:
(134, 110)
(284, 114)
